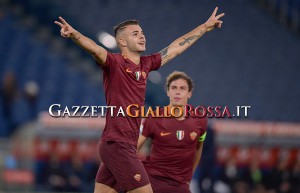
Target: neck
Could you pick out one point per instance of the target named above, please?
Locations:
(177, 111)
(133, 56)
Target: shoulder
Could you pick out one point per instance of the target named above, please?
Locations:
(117, 56)
(199, 122)
(155, 56)
(158, 113)
(113, 59)
(202, 123)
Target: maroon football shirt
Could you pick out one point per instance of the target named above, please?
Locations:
(125, 84)
(174, 144)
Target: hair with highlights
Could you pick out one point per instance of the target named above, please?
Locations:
(119, 27)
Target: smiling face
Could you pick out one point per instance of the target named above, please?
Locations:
(132, 38)
(178, 92)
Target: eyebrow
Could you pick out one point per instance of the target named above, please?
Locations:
(179, 86)
(136, 31)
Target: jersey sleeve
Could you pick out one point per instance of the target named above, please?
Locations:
(151, 62)
(156, 62)
(109, 63)
(148, 127)
(203, 129)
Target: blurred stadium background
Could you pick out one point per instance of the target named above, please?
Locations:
(253, 60)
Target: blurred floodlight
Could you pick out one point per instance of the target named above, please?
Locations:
(155, 77)
(107, 40)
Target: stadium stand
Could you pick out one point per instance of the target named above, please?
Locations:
(253, 60)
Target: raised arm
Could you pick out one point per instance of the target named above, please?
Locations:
(67, 31)
(185, 41)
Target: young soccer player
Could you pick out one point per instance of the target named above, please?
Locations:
(124, 76)
(176, 142)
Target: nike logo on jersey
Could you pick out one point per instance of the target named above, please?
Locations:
(164, 134)
(129, 71)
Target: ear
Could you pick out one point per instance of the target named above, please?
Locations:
(122, 42)
(168, 93)
(189, 94)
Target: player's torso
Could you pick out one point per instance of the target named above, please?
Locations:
(173, 133)
(174, 144)
(126, 83)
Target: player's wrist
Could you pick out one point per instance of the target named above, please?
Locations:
(205, 26)
(75, 35)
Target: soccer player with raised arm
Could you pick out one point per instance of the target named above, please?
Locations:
(177, 143)
(124, 79)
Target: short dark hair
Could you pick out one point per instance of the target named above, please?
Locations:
(179, 75)
(123, 24)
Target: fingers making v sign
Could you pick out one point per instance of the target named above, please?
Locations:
(66, 29)
(213, 21)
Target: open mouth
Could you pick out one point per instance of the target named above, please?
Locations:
(142, 43)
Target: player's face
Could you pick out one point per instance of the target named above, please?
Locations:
(179, 92)
(135, 38)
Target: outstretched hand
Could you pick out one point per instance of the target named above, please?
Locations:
(66, 29)
(213, 21)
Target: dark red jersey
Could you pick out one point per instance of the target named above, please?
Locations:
(174, 144)
(125, 84)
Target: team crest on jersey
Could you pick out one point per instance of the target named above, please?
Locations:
(138, 75)
(180, 134)
(137, 177)
(193, 135)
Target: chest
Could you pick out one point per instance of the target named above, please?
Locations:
(170, 132)
(132, 73)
